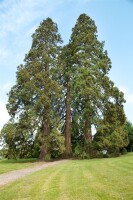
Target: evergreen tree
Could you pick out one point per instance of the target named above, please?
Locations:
(92, 64)
(92, 90)
(129, 129)
(111, 135)
(36, 89)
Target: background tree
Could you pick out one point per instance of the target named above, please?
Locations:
(111, 135)
(17, 142)
(36, 90)
(129, 129)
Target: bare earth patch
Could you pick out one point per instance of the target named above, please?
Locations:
(14, 175)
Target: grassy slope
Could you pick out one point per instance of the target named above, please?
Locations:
(101, 179)
(9, 165)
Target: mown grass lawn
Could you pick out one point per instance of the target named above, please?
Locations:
(10, 165)
(97, 179)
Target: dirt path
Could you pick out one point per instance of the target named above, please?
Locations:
(14, 175)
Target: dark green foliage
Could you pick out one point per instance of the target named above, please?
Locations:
(129, 129)
(18, 142)
(110, 138)
(80, 153)
(87, 151)
(89, 83)
(95, 99)
(57, 144)
(123, 151)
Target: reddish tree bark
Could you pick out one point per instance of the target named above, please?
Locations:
(88, 132)
(68, 122)
(44, 148)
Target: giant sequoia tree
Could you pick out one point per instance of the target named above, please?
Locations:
(92, 90)
(92, 64)
(67, 89)
(36, 90)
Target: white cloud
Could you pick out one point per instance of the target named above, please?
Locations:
(18, 20)
(16, 15)
(4, 116)
(20, 14)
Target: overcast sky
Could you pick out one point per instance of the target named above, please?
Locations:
(20, 18)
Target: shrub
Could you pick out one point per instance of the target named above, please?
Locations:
(57, 144)
(47, 157)
(123, 151)
(114, 152)
(79, 152)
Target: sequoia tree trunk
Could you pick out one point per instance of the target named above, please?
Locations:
(88, 132)
(68, 123)
(44, 147)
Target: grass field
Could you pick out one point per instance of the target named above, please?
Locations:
(10, 165)
(97, 179)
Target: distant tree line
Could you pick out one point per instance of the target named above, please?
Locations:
(60, 93)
